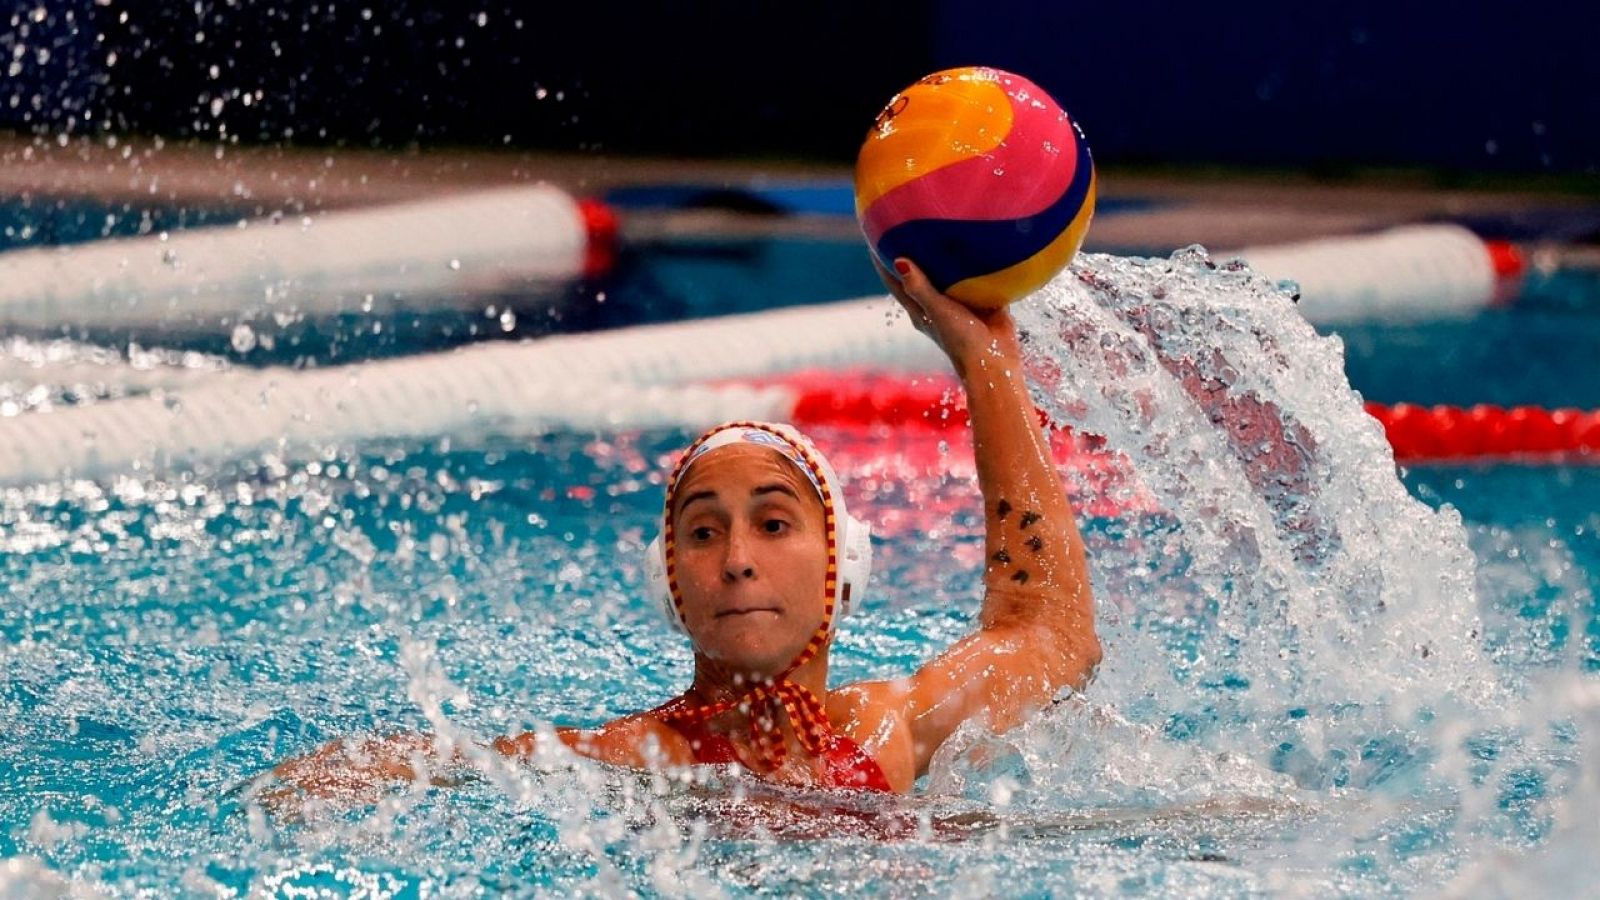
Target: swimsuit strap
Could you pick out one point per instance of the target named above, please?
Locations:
(845, 763)
(763, 705)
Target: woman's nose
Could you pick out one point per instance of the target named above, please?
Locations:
(738, 563)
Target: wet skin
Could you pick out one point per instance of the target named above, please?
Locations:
(752, 560)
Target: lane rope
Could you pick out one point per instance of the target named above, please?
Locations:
(1417, 433)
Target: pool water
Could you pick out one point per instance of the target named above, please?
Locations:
(168, 636)
(49, 221)
(166, 639)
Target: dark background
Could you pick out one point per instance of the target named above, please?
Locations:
(1471, 86)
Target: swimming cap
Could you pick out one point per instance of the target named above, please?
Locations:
(768, 436)
(849, 544)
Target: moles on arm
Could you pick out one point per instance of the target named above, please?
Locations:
(751, 542)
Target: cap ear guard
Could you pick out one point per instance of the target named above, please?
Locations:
(855, 567)
(855, 564)
(655, 574)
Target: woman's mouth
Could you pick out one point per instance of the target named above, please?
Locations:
(746, 610)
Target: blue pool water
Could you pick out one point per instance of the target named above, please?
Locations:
(166, 637)
(165, 640)
(49, 221)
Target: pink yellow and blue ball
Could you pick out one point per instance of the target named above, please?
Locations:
(979, 178)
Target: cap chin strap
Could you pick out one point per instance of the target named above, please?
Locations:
(770, 699)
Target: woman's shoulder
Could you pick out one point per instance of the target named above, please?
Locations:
(870, 699)
(872, 713)
(651, 737)
(638, 740)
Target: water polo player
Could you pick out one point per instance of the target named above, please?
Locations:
(758, 560)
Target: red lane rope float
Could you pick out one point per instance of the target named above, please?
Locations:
(869, 406)
(1510, 265)
(1423, 433)
(600, 236)
(934, 403)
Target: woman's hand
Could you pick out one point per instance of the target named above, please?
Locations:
(351, 772)
(965, 335)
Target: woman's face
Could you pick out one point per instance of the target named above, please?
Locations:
(751, 558)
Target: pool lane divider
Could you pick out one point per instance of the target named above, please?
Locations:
(1450, 433)
(452, 251)
(852, 366)
(1418, 434)
(1414, 272)
(425, 254)
(670, 375)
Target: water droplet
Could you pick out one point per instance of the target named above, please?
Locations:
(1002, 791)
(455, 265)
(508, 320)
(243, 338)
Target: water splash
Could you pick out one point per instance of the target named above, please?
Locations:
(1266, 721)
(1296, 612)
(1312, 578)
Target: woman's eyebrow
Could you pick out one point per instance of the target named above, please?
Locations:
(775, 487)
(706, 494)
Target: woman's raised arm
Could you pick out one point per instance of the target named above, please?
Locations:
(1036, 631)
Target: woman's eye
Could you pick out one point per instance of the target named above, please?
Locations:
(703, 533)
(775, 526)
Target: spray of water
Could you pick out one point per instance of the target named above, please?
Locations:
(1308, 686)
(1296, 627)
(1311, 578)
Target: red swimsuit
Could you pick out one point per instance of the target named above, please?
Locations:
(844, 763)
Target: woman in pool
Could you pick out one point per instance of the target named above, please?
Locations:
(756, 562)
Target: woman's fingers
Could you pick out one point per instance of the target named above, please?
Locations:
(916, 283)
(945, 318)
(892, 283)
(919, 317)
(961, 331)
(964, 333)
(942, 311)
